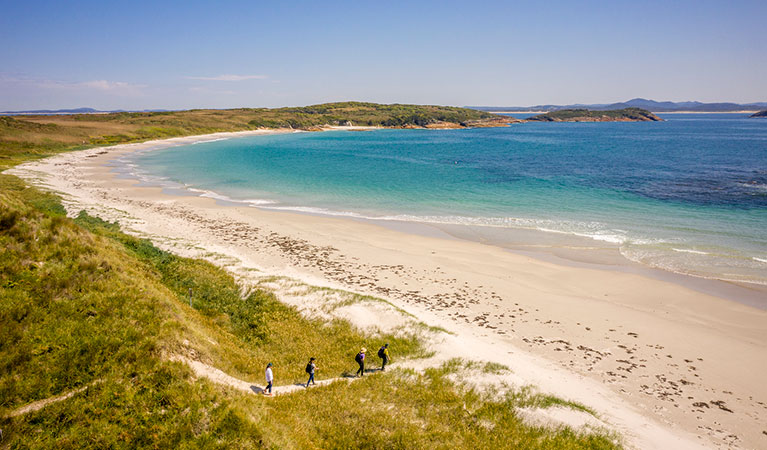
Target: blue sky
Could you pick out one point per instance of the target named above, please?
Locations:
(219, 54)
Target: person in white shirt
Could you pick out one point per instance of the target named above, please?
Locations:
(269, 379)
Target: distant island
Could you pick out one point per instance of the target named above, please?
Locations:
(650, 105)
(586, 115)
(760, 114)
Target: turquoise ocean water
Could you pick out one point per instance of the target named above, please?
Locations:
(687, 195)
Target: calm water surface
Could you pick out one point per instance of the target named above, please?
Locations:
(687, 195)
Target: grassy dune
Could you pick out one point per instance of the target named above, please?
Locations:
(84, 305)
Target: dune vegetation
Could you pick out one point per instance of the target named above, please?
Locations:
(93, 319)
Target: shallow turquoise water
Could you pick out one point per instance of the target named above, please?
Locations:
(687, 195)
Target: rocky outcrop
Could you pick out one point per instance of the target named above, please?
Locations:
(498, 121)
(760, 115)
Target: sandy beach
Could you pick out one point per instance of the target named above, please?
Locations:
(666, 363)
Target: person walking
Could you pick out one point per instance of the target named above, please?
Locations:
(310, 368)
(269, 379)
(383, 353)
(360, 358)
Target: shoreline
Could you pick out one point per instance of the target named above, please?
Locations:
(599, 255)
(560, 247)
(590, 254)
(582, 320)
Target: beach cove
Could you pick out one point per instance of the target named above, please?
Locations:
(606, 338)
(538, 186)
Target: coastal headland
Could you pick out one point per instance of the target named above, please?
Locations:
(660, 361)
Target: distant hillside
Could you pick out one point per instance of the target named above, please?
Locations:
(372, 114)
(55, 111)
(72, 111)
(760, 114)
(304, 117)
(585, 115)
(650, 105)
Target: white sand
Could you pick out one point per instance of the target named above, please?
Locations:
(665, 365)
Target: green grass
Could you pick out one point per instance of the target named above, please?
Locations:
(405, 409)
(495, 368)
(154, 405)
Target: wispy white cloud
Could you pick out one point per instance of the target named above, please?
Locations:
(105, 85)
(229, 77)
(204, 90)
(98, 85)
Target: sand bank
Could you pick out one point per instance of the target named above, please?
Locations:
(666, 365)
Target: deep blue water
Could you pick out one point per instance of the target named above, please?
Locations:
(688, 194)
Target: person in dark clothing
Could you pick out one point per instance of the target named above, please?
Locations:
(383, 353)
(360, 358)
(310, 368)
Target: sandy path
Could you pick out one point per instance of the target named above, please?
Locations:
(40, 404)
(214, 374)
(661, 362)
